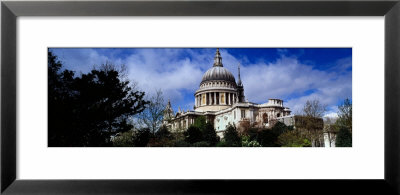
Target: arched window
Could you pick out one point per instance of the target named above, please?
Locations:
(278, 115)
(265, 118)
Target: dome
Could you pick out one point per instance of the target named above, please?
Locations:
(218, 73)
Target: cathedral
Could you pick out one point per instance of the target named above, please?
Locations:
(222, 101)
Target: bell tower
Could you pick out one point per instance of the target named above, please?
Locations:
(240, 88)
(168, 113)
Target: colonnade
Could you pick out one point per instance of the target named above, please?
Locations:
(183, 123)
(215, 98)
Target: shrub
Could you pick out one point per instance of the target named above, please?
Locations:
(293, 139)
(267, 138)
(163, 133)
(200, 122)
(182, 143)
(222, 144)
(123, 140)
(252, 133)
(344, 138)
(193, 135)
(142, 138)
(246, 142)
(201, 144)
(210, 135)
(279, 128)
(231, 136)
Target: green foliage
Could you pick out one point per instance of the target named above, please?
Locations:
(267, 138)
(345, 115)
(193, 135)
(201, 144)
(293, 138)
(344, 125)
(201, 131)
(162, 138)
(182, 143)
(124, 139)
(138, 138)
(251, 133)
(142, 138)
(231, 136)
(222, 144)
(344, 138)
(279, 128)
(247, 142)
(210, 135)
(200, 122)
(87, 110)
(163, 132)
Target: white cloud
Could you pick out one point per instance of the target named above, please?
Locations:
(179, 72)
(332, 115)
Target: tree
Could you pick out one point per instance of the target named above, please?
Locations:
(344, 138)
(163, 132)
(152, 116)
(61, 131)
(87, 110)
(193, 135)
(231, 136)
(124, 139)
(251, 133)
(207, 130)
(106, 103)
(267, 138)
(345, 115)
(210, 135)
(331, 129)
(279, 128)
(142, 137)
(162, 138)
(200, 122)
(293, 138)
(313, 108)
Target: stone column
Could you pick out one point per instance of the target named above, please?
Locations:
(195, 101)
(225, 98)
(209, 98)
(215, 98)
(229, 98)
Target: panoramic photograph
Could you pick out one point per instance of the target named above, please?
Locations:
(199, 97)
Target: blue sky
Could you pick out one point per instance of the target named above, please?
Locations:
(292, 74)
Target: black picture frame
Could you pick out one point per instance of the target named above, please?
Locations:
(10, 10)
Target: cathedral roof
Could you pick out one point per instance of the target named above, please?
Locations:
(218, 72)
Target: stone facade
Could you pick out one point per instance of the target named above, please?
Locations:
(221, 100)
